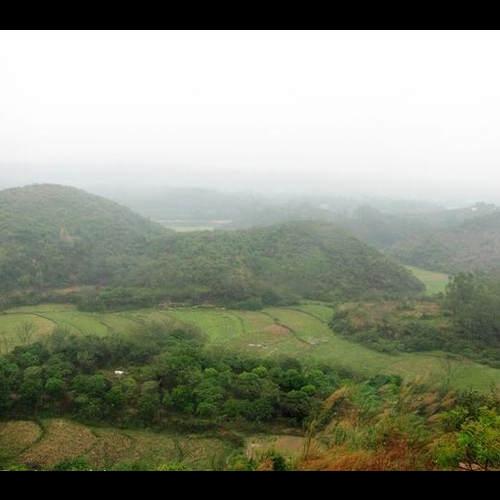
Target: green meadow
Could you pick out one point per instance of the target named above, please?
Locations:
(300, 331)
(434, 282)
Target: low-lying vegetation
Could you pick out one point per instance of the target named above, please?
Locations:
(167, 378)
(380, 424)
(299, 331)
(64, 445)
(465, 321)
(385, 425)
(155, 377)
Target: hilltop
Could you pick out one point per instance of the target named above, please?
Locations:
(305, 259)
(56, 237)
(53, 236)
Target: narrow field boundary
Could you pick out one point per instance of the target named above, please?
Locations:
(308, 313)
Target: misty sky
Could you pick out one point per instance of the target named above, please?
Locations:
(407, 114)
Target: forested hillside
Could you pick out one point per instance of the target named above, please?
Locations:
(53, 236)
(305, 259)
(471, 245)
(56, 237)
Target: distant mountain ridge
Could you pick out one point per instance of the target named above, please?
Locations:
(472, 245)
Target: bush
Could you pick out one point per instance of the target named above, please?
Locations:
(72, 465)
(173, 467)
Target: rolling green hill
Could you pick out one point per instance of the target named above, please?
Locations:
(388, 230)
(304, 259)
(58, 237)
(469, 246)
(54, 236)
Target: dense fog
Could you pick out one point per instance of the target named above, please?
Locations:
(391, 114)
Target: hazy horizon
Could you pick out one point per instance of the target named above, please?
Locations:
(216, 182)
(393, 114)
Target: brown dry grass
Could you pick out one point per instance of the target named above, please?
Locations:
(104, 448)
(277, 330)
(157, 449)
(15, 437)
(202, 452)
(63, 440)
(362, 314)
(112, 447)
(153, 448)
(290, 446)
(393, 439)
(397, 458)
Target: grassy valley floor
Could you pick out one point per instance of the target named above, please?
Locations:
(301, 331)
(434, 282)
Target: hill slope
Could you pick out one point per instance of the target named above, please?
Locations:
(308, 259)
(52, 236)
(469, 246)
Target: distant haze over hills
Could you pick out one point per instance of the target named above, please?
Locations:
(471, 245)
(300, 181)
(383, 222)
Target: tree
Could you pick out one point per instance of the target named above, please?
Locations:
(248, 386)
(116, 400)
(296, 405)
(149, 403)
(31, 392)
(181, 399)
(291, 380)
(25, 332)
(95, 386)
(4, 342)
(260, 371)
(206, 409)
(259, 410)
(476, 446)
(55, 388)
(475, 307)
(89, 409)
(4, 394)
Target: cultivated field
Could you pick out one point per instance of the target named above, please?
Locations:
(45, 443)
(300, 331)
(435, 282)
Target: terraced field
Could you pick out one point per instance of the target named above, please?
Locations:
(46, 443)
(299, 331)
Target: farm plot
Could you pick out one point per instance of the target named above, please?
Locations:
(299, 331)
(44, 445)
(434, 282)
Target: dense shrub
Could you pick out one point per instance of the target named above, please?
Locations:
(170, 375)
